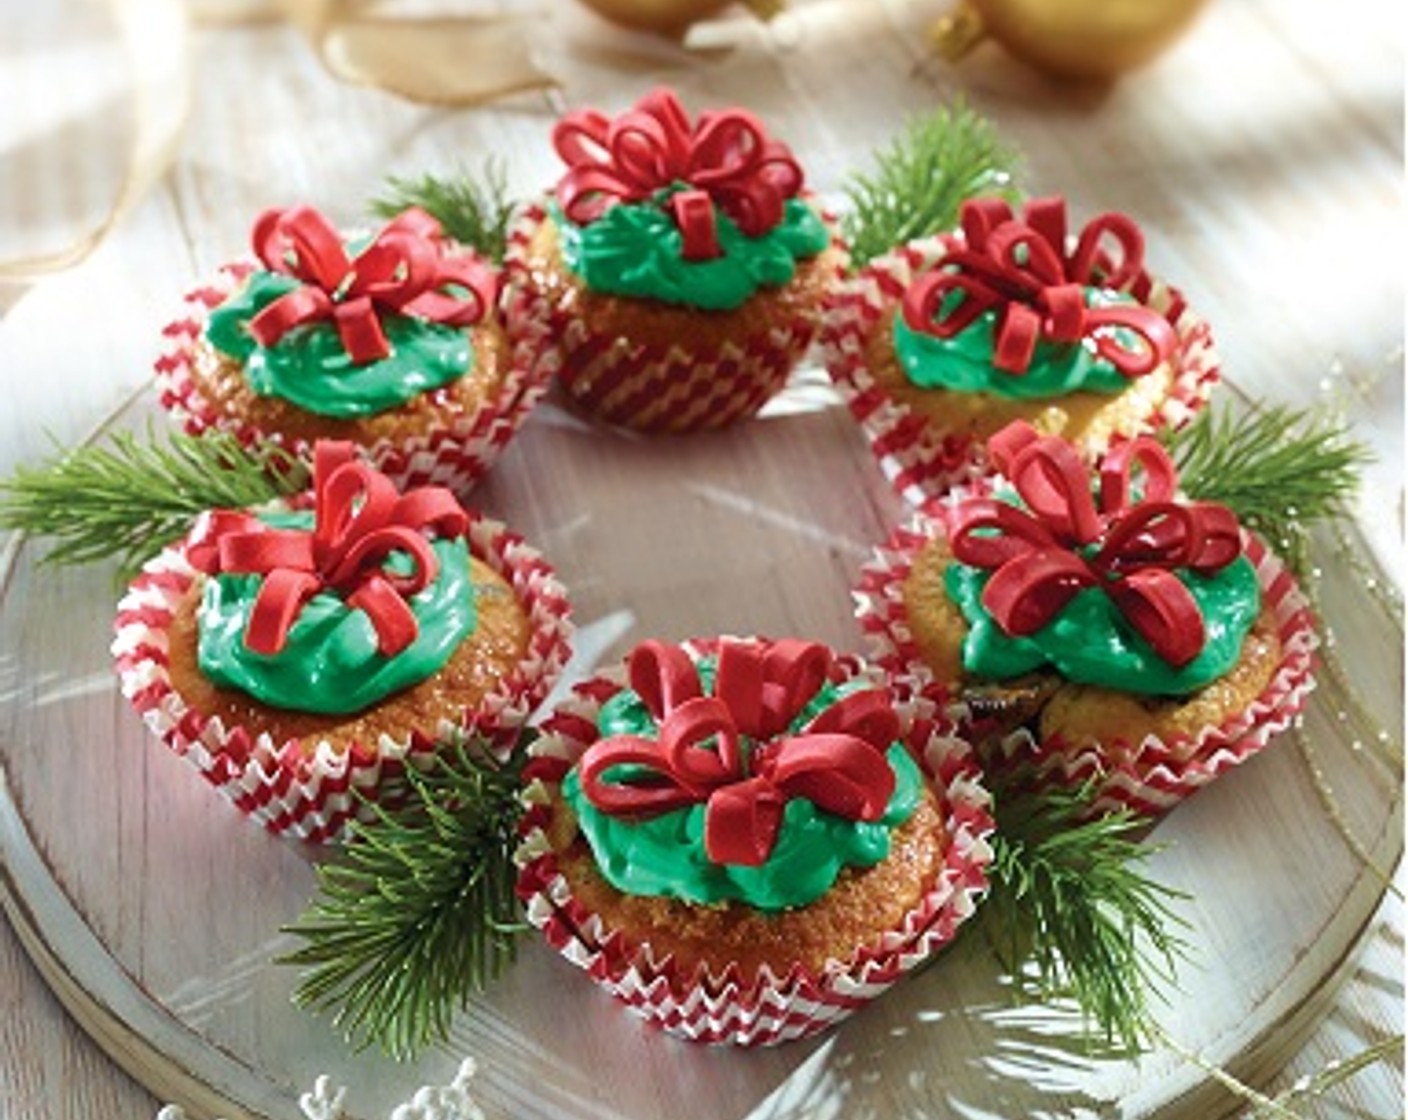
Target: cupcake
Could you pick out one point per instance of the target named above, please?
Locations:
(943, 342)
(745, 840)
(679, 265)
(302, 654)
(1113, 633)
(393, 342)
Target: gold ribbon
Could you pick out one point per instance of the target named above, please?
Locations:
(436, 60)
(155, 42)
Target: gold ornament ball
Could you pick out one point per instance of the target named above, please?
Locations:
(1098, 39)
(673, 17)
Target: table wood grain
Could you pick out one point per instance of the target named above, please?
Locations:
(1263, 157)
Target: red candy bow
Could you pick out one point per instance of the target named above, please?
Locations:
(1022, 270)
(1041, 559)
(359, 521)
(727, 159)
(403, 269)
(731, 752)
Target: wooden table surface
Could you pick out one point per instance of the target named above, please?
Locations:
(1263, 156)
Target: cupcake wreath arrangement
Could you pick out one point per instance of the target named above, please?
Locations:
(1091, 612)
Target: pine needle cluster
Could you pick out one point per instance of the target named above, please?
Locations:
(419, 912)
(473, 209)
(1071, 913)
(919, 181)
(128, 497)
(1281, 470)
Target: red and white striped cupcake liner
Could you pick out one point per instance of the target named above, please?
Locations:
(921, 460)
(1149, 777)
(310, 790)
(455, 456)
(648, 387)
(771, 1009)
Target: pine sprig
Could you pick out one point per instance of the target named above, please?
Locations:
(917, 184)
(420, 911)
(128, 497)
(1280, 470)
(1071, 912)
(473, 210)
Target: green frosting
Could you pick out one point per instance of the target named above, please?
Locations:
(664, 855)
(963, 363)
(330, 663)
(1090, 641)
(309, 367)
(634, 249)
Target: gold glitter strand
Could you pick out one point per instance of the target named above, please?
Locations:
(1263, 1104)
(1379, 740)
(1342, 1069)
(1332, 809)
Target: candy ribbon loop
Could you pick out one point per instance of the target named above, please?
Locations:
(726, 161)
(1043, 555)
(1022, 271)
(403, 270)
(359, 522)
(733, 752)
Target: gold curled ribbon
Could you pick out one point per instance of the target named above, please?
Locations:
(436, 60)
(450, 61)
(154, 35)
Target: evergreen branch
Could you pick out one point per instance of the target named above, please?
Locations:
(1070, 905)
(127, 498)
(473, 211)
(1279, 469)
(420, 913)
(917, 184)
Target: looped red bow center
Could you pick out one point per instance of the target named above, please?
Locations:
(731, 750)
(1023, 271)
(726, 160)
(360, 520)
(404, 269)
(1044, 555)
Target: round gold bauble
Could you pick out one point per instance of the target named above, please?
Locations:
(673, 17)
(1068, 38)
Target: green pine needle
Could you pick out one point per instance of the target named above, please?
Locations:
(1072, 914)
(420, 912)
(918, 183)
(1280, 470)
(129, 497)
(474, 211)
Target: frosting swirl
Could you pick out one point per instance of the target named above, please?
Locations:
(1015, 292)
(668, 815)
(636, 250)
(963, 363)
(696, 213)
(310, 367)
(352, 329)
(1140, 591)
(330, 662)
(332, 609)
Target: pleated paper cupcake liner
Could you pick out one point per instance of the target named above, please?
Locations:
(1150, 776)
(765, 1009)
(649, 387)
(455, 455)
(920, 458)
(309, 790)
